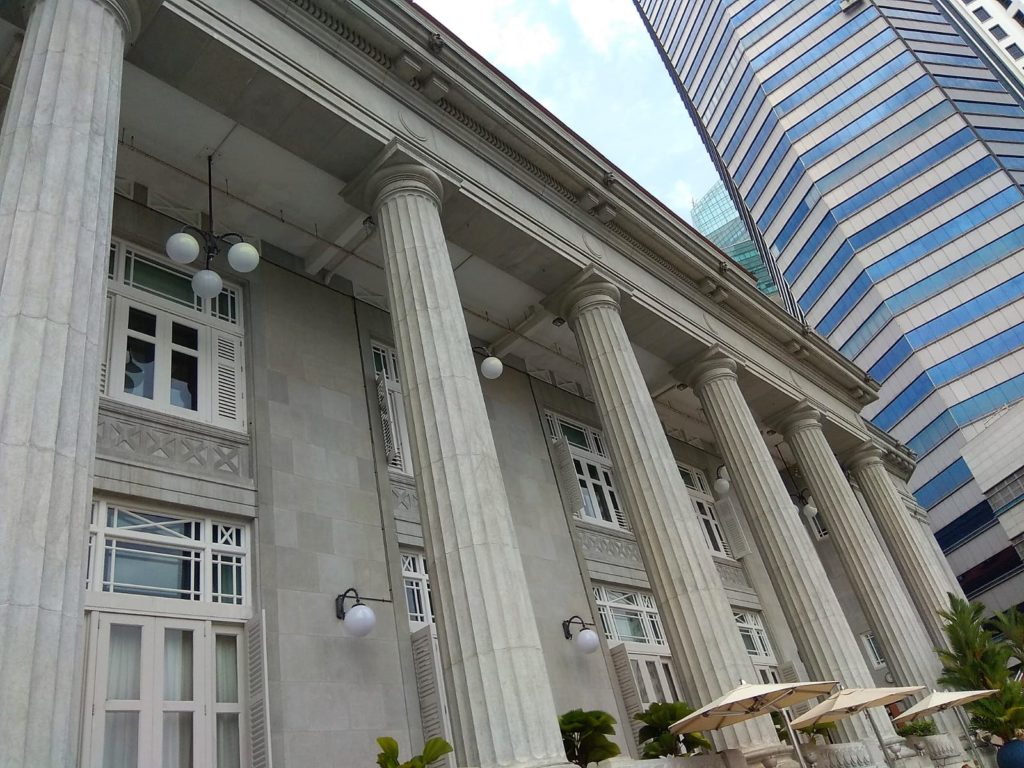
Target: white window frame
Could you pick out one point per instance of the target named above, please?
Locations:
(220, 353)
(750, 623)
(151, 704)
(389, 384)
(655, 677)
(704, 505)
(205, 549)
(613, 600)
(415, 577)
(600, 495)
(873, 649)
(818, 527)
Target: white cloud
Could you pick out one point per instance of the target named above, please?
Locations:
(608, 24)
(511, 35)
(680, 198)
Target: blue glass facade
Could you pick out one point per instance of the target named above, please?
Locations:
(881, 159)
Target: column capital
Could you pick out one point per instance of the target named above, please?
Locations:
(713, 363)
(126, 11)
(588, 295)
(801, 416)
(864, 455)
(393, 180)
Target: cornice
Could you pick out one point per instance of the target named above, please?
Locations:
(421, 54)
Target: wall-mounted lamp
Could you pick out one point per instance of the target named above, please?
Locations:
(359, 618)
(586, 640)
(722, 484)
(491, 366)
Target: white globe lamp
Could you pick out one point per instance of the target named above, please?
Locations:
(722, 486)
(808, 509)
(587, 641)
(243, 257)
(360, 620)
(207, 284)
(491, 367)
(182, 248)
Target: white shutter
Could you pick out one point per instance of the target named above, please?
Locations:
(729, 519)
(788, 674)
(387, 421)
(259, 715)
(228, 381)
(430, 689)
(627, 686)
(565, 476)
(105, 343)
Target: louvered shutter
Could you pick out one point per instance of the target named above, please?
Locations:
(259, 716)
(565, 476)
(788, 674)
(228, 381)
(387, 422)
(430, 689)
(105, 341)
(627, 686)
(728, 518)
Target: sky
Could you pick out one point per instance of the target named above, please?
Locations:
(593, 65)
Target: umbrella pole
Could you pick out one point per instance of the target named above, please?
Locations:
(970, 737)
(889, 759)
(793, 739)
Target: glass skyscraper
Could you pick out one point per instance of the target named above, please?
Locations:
(881, 160)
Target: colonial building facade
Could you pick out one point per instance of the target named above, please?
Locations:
(190, 485)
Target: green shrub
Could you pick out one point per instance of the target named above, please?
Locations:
(388, 758)
(585, 736)
(923, 727)
(658, 741)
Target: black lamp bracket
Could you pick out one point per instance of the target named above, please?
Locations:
(351, 592)
(567, 626)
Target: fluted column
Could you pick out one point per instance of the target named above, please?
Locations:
(504, 712)
(57, 152)
(698, 621)
(823, 635)
(886, 604)
(923, 572)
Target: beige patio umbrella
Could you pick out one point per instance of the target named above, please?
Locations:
(940, 701)
(752, 700)
(850, 701)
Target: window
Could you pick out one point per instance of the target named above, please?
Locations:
(818, 526)
(168, 350)
(593, 471)
(392, 408)
(703, 503)
(654, 678)
(759, 647)
(177, 557)
(629, 617)
(873, 649)
(417, 590)
(997, 32)
(1015, 50)
(982, 14)
(165, 691)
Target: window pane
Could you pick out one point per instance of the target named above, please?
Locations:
(184, 380)
(138, 368)
(145, 569)
(227, 669)
(659, 692)
(575, 436)
(124, 662)
(143, 322)
(185, 336)
(177, 665)
(228, 741)
(227, 579)
(177, 742)
(121, 740)
(629, 627)
(639, 678)
(163, 282)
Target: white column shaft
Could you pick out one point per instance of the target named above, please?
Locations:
(698, 620)
(504, 713)
(923, 572)
(57, 154)
(883, 599)
(826, 642)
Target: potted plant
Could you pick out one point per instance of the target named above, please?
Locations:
(655, 738)
(977, 659)
(388, 757)
(585, 736)
(916, 732)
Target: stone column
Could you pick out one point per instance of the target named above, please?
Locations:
(57, 153)
(823, 635)
(698, 621)
(908, 541)
(908, 650)
(503, 709)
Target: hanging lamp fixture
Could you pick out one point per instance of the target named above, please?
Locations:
(803, 500)
(185, 246)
